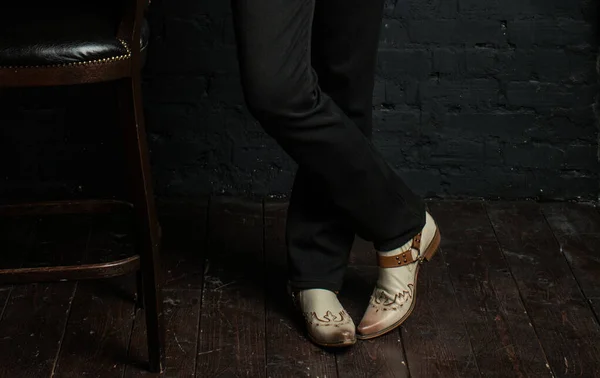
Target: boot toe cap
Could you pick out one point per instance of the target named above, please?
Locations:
(376, 321)
(334, 337)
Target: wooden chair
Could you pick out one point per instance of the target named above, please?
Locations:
(56, 45)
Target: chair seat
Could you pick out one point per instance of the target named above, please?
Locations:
(62, 35)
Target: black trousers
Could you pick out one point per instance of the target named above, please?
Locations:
(307, 70)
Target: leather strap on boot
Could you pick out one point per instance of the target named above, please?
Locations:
(404, 258)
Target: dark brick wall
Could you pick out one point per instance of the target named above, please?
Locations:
(481, 98)
(474, 98)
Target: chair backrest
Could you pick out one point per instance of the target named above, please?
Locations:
(131, 24)
(126, 20)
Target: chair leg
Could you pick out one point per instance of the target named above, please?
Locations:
(147, 228)
(139, 299)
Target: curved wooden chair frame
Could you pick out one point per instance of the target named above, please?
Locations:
(124, 71)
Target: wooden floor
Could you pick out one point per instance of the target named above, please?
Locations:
(515, 292)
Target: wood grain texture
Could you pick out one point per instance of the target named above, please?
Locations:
(34, 321)
(183, 247)
(184, 231)
(463, 226)
(435, 337)
(289, 352)
(102, 312)
(232, 334)
(560, 314)
(465, 300)
(182, 313)
(381, 357)
(504, 342)
(70, 75)
(16, 237)
(5, 291)
(577, 230)
(98, 330)
(32, 329)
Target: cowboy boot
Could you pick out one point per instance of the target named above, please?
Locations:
(327, 323)
(394, 296)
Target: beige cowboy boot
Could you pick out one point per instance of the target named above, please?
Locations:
(327, 322)
(393, 299)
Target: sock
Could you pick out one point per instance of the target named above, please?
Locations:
(397, 251)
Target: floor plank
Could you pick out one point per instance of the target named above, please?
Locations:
(232, 334)
(98, 330)
(476, 299)
(182, 253)
(577, 229)
(5, 291)
(183, 245)
(468, 227)
(435, 338)
(382, 357)
(35, 318)
(102, 313)
(16, 237)
(182, 315)
(503, 340)
(560, 314)
(289, 352)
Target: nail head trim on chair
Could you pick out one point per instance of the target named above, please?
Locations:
(82, 63)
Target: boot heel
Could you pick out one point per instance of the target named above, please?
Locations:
(433, 247)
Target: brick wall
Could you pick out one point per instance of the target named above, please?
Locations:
(481, 98)
(473, 98)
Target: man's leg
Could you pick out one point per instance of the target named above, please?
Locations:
(344, 49)
(282, 92)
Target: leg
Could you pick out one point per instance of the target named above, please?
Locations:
(282, 92)
(344, 49)
(280, 85)
(318, 237)
(147, 228)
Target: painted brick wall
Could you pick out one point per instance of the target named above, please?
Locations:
(474, 98)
